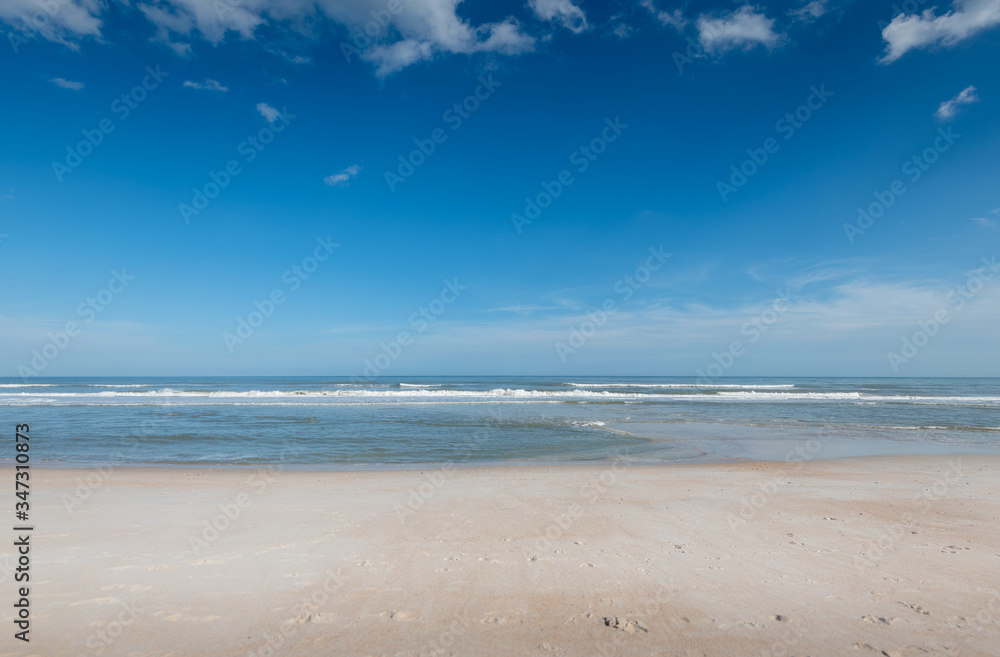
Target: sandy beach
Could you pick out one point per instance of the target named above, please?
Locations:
(877, 556)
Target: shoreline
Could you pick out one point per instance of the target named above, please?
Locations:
(42, 464)
(865, 556)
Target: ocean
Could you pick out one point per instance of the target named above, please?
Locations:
(335, 423)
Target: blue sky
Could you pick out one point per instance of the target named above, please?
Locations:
(119, 115)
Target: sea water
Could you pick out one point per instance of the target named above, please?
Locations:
(332, 422)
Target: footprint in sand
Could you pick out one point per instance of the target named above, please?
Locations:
(401, 616)
(916, 608)
(305, 618)
(879, 620)
(625, 625)
(493, 619)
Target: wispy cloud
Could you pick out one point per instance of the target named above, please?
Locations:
(622, 30)
(344, 176)
(843, 325)
(209, 84)
(563, 12)
(673, 18)
(949, 108)
(62, 22)
(522, 309)
(743, 29)
(294, 59)
(419, 32)
(966, 18)
(984, 222)
(268, 112)
(811, 11)
(67, 84)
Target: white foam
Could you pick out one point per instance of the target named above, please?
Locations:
(683, 385)
(385, 394)
(506, 394)
(850, 396)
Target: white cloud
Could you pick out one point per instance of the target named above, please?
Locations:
(563, 12)
(268, 112)
(742, 29)
(983, 222)
(846, 327)
(67, 84)
(914, 31)
(811, 11)
(209, 84)
(949, 108)
(420, 30)
(392, 58)
(505, 38)
(674, 18)
(63, 22)
(295, 59)
(344, 176)
(212, 19)
(522, 309)
(622, 30)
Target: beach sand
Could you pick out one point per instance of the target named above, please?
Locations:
(877, 556)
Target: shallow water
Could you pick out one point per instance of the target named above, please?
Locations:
(337, 422)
